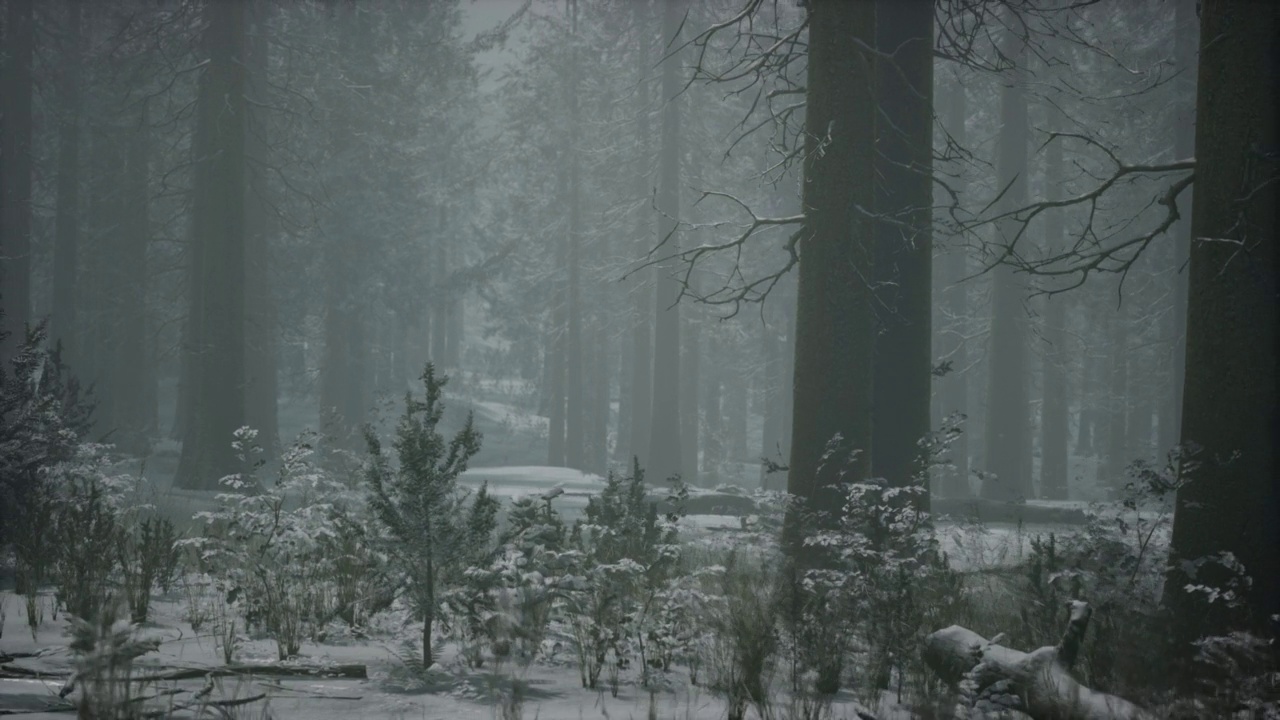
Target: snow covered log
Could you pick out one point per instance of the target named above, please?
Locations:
(994, 678)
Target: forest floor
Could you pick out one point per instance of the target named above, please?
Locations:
(553, 690)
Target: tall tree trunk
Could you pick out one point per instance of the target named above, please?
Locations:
(665, 453)
(574, 430)
(642, 298)
(261, 342)
(690, 412)
(133, 370)
(1118, 402)
(598, 437)
(903, 241)
(66, 243)
(1008, 439)
(15, 174)
(774, 407)
(1232, 502)
(1186, 36)
(833, 357)
(1054, 431)
(712, 442)
(955, 384)
(218, 214)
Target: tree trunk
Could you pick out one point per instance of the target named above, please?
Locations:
(1118, 402)
(665, 453)
(903, 242)
(1230, 503)
(1054, 432)
(66, 243)
(994, 679)
(261, 343)
(15, 175)
(1186, 36)
(218, 214)
(575, 432)
(642, 297)
(955, 384)
(690, 379)
(1007, 437)
(133, 370)
(833, 358)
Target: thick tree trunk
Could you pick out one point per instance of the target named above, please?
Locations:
(218, 215)
(1008, 437)
(833, 358)
(66, 243)
(904, 242)
(993, 678)
(15, 174)
(1231, 502)
(665, 453)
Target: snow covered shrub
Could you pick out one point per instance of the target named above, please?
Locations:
(506, 605)
(105, 649)
(745, 633)
(1116, 563)
(88, 525)
(43, 415)
(436, 530)
(888, 572)
(264, 546)
(148, 557)
(627, 553)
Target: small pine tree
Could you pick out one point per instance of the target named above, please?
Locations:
(435, 532)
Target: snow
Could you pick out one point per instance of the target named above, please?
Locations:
(553, 692)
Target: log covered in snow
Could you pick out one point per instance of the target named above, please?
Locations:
(994, 678)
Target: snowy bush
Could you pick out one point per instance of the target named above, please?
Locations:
(267, 548)
(435, 529)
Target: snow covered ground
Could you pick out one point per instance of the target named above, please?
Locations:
(450, 691)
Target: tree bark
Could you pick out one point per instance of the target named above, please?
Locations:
(575, 437)
(1230, 502)
(903, 242)
(133, 370)
(833, 323)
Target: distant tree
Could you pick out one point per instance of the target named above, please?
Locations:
(62, 325)
(216, 313)
(1008, 439)
(16, 73)
(665, 454)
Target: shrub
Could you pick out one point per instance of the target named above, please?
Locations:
(434, 532)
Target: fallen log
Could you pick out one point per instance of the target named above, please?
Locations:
(993, 678)
(352, 672)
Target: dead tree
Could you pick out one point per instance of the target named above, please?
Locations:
(994, 679)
